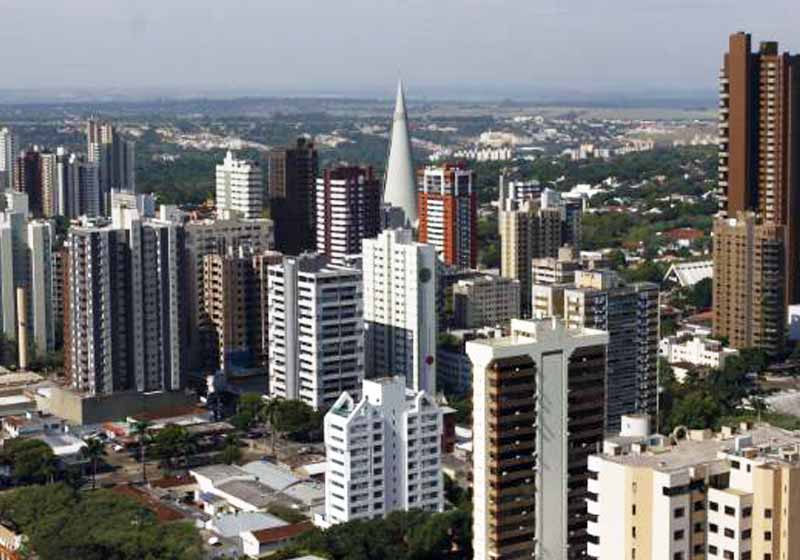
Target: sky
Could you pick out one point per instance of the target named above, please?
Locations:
(352, 46)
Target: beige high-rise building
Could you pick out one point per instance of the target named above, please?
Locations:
(485, 301)
(732, 495)
(538, 412)
(235, 303)
(527, 232)
(748, 282)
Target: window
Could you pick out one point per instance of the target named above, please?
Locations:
(735, 465)
(699, 505)
(746, 534)
(713, 506)
(677, 556)
(747, 511)
(633, 509)
(729, 533)
(712, 528)
(698, 527)
(679, 512)
(768, 513)
(712, 550)
(727, 555)
(678, 535)
(767, 556)
(767, 535)
(633, 532)
(729, 510)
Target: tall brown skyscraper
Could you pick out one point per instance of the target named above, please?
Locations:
(292, 193)
(759, 173)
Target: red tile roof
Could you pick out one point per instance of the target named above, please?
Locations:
(163, 513)
(684, 233)
(278, 534)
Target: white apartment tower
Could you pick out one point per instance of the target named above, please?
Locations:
(383, 453)
(41, 318)
(240, 188)
(316, 330)
(400, 308)
(8, 153)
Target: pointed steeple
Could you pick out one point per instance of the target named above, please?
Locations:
(400, 189)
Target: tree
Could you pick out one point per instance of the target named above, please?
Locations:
(141, 429)
(696, 411)
(231, 453)
(31, 460)
(174, 442)
(269, 415)
(62, 523)
(93, 451)
(701, 294)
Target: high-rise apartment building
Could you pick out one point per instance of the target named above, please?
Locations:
(126, 311)
(348, 211)
(448, 214)
(235, 302)
(240, 189)
(538, 412)
(759, 169)
(292, 179)
(630, 315)
(526, 233)
(114, 157)
(400, 308)
(383, 453)
(316, 330)
(41, 314)
(726, 495)
(215, 237)
(400, 188)
(8, 155)
(485, 301)
(28, 179)
(749, 268)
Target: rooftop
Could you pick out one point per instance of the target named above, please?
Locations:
(278, 534)
(251, 491)
(688, 453)
(219, 473)
(232, 525)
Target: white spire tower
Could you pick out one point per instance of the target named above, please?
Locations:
(400, 189)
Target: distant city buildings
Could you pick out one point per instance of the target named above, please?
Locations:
(348, 211)
(400, 308)
(292, 180)
(316, 330)
(240, 189)
(538, 412)
(448, 214)
(383, 453)
(8, 153)
(486, 300)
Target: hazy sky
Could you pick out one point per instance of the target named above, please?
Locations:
(352, 45)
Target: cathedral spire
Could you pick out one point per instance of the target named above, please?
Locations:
(400, 189)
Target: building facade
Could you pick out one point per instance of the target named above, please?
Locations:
(383, 453)
(538, 411)
(292, 180)
(400, 308)
(759, 172)
(348, 211)
(240, 188)
(448, 214)
(484, 301)
(316, 330)
(728, 495)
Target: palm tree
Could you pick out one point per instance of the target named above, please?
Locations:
(93, 451)
(141, 429)
(270, 413)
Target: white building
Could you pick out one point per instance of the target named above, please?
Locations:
(316, 330)
(698, 350)
(8, 152)
(41, 318)
(383, 453)
(400, 308)
(240, 188)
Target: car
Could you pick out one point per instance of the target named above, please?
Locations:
(117, 448)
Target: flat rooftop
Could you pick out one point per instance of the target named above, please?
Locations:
(688, 453)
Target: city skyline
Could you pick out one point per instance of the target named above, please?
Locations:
(244, 47)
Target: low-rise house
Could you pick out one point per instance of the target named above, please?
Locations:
(687, 348)
(31, 424)
(263, 542)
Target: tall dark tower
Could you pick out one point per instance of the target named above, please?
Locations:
(292, 186)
